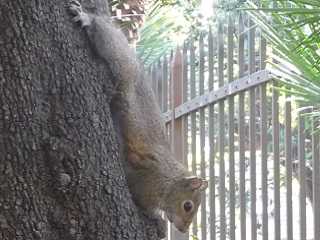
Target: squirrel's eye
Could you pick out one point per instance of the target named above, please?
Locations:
(188, 205)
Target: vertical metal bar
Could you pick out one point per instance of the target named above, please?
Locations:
(252, 134)
(231, 132)
(165, 85)
(193, 125)
(164, 105)
(264, 142)
(288, 157)
(242, 170)
(177, 130)
(316, 178)
(264, 160)
(253, 172)
(276, 154)
(184, 99)
(185, 118)
(211, 54)
(302, 176)
(202, 139)
(276, 160)
(154, 81)
(159, 84)
(149, 71)
(263, 51)
(169, 125)
(242, 159)
(211, 142)
(222, 195)
(170, 97)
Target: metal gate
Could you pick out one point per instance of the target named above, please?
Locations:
(229, 124)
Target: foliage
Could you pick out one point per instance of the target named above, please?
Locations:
(230, 5)
(166, 23)
(154, 37)
(294, 30)
(166, 26)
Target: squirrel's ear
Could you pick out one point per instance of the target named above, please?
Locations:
(197, 183)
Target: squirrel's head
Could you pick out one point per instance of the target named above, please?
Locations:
(183, 200)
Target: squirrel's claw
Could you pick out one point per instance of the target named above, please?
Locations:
(76, 18)
(75, 9)
(75, 2)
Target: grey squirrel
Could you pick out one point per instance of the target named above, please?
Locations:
(157, 181)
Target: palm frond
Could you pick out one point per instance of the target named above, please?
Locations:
(294, 33)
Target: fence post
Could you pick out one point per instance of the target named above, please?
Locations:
(316, 179)
(176, 94)
(176, 124)
(159, 84)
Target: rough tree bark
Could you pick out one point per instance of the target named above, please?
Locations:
(60, 173)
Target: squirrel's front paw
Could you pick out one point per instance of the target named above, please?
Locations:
(161, 225)
(161, 228)
(75, 9)
(158, 222)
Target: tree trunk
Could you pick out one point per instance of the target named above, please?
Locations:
(60, 173)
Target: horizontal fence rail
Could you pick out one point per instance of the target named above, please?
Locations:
(225, 91)
(228, 123)
(214, 96)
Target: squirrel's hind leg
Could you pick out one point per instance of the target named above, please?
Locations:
(75, 9)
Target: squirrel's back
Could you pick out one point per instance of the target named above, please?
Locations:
(155, 178)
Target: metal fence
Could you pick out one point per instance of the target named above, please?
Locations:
(229, 124)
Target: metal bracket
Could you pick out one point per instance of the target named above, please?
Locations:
(167, 116)
(229, 89)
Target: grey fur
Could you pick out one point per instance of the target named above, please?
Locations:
(156, 180)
